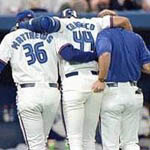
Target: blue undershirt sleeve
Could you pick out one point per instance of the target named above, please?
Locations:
(69, 53)
(42, 25)
(26, 25)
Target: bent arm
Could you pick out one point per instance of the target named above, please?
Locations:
(104, 49)
(42, 24)
(69, 53)
(104, 63)
(122, 22)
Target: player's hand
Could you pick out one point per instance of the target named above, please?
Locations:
(98, 86)
(107, 12)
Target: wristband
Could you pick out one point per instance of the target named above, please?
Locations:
(101, 79)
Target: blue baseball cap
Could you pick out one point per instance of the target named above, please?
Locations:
(24, 15)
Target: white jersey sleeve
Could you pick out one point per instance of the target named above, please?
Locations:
(63, 24)
(102, 23)
(5, 50)
(60, 42)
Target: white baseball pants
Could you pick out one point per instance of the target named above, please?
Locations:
(120, 116)
(37, 107)
(81, 111)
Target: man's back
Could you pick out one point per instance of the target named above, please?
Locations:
(126, 54)
(32, 56)
(81, 33)
(120, 55)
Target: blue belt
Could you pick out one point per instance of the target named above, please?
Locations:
(115, 84)
(25, 85)
(75, 73)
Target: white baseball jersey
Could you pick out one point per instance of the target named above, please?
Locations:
(32, 56)
(82, 34)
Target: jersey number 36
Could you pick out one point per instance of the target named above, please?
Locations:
(35, 52)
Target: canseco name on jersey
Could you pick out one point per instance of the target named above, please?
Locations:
(74, 25)
(30, 35)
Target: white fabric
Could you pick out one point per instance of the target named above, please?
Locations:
(81, 111)
(21, 71)
(37, 108)
(120, 116)
(58, 125)
(65, 35)
(81, 105)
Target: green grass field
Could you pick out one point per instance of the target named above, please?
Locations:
(52, 146)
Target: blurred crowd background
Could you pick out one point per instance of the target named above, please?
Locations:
(10, 133)
(79, 5)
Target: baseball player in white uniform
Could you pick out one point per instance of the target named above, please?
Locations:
(81, 104)
(34, 61)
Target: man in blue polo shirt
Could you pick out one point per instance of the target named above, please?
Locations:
(121, 55)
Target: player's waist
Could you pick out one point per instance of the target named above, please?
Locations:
(76, 73)
(38, 84)
(118, 84)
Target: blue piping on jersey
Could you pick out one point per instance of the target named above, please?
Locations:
(2, 65)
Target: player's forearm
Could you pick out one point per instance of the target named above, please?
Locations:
(104, 63)
(69, 53)
(83, 57)
(122, 22)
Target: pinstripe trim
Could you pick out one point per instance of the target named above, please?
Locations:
(23, 131)
(57, 25)
(67, 44)
(63, 119)
(3, 62)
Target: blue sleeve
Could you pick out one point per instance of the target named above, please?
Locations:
(103, 44)
(69, 53)
(144, 53)
(2, 65)
(42, 24)
(26, 25)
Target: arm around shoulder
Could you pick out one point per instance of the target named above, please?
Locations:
(42, 24)
(123, 22)
(69, 53)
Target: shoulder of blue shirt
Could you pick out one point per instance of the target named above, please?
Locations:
(103, 43)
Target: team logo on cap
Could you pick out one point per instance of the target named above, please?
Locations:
(68, 13)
